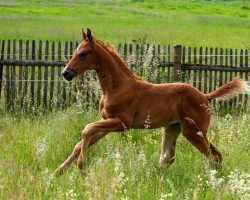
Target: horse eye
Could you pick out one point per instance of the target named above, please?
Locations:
(83, 55)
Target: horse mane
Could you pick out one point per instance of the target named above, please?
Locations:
(117, 58)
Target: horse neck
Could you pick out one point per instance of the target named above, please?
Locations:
(111, 74)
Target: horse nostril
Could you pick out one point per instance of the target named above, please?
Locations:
(65, 73)
(69, 74)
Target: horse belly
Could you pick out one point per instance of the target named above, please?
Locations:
(156, 116)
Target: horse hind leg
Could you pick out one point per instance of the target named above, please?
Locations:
(198, 138)
(169, 137)
(217, 157)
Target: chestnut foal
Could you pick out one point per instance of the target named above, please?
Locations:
(127, 101)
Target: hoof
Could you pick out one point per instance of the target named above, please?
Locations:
(217, 159)
(82, 167)
(213, 164)
(59, 172)
(166, 161)
(83, 173)
(81, 164)
(216, 165)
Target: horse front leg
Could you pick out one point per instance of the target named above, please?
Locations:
(74, 155)
(76, 152)
(94, 132)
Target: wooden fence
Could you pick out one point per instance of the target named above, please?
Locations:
(30, 72)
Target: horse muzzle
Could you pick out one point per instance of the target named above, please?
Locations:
(69, 74)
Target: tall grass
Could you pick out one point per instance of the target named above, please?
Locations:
(120, 166)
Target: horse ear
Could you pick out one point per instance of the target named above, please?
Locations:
(84, 36)
(89, 35)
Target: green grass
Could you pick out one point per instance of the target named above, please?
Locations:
(121, 165)
(196, 23)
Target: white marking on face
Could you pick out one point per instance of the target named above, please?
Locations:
(78, 47)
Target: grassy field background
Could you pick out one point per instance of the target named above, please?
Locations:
(122, 165)
(195, 23)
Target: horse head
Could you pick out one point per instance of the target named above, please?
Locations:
(84, 57)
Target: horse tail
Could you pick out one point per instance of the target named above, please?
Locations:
(229, 90)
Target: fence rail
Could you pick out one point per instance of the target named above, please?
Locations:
(30, 72)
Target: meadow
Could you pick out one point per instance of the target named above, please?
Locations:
(223, 24)
(122, 165)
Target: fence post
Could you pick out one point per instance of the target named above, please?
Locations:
(1, 67)
(177, 49)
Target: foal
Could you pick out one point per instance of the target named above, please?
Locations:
(127, 101)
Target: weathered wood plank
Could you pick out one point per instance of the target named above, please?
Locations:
(39, 63)
(137, 56)
(94, 90)
(177, 49)
(64, 84)
(221, 76)
(225, 108)
(210, 71)
(58, 96)
(69, 89)
(39, 76)
(241, 75)
(45, 77)
(194, 73)
(75, 83)
(200, 71)
(189, 61)
(183, 73)
(8, 80)
(52, 77)
(214, 68)
(1, 66)
(215, 76)
(235, 73)
(20, 74)
(205, 72)
(142, 59)
(231, 75)
(246, 75)
(158, 60)
(164, 57)
(26, 76)
(125, 52)
(87, 90)
(13, 78)
(32, 87)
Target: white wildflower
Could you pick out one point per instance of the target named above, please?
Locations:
(142, 158)
(71, 195)
(119, 179)
(41, 147)
(239, 183)
(165, 196)
(213, 180)
(124, 198)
